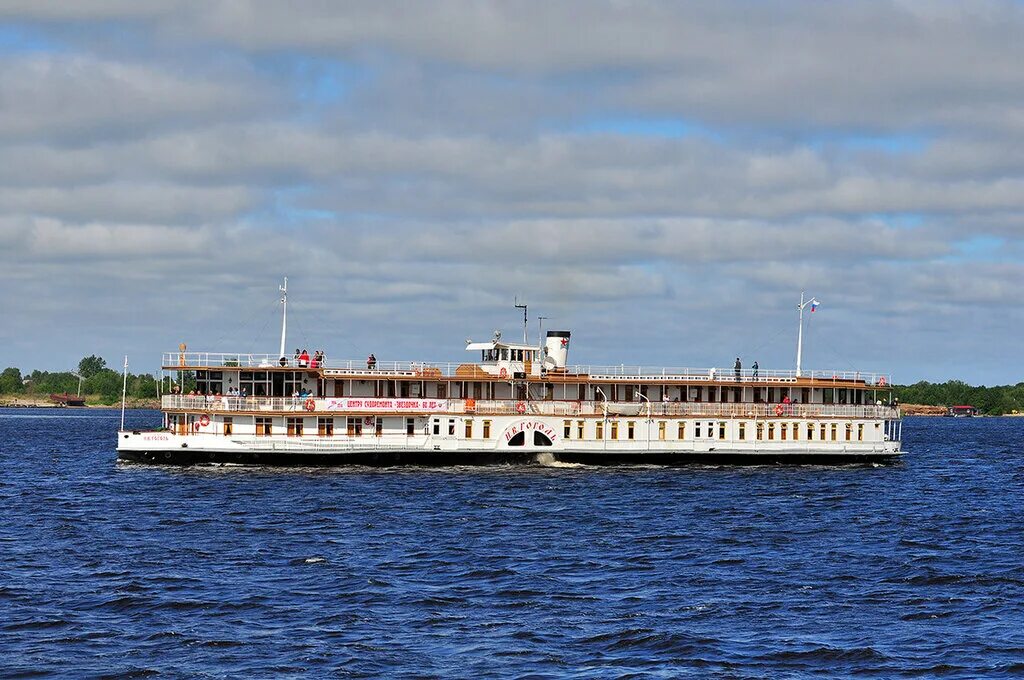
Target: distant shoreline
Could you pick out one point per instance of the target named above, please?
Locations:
(32, 402)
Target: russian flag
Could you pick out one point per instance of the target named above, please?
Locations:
(814, 306)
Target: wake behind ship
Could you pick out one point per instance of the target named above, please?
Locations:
(514, 403)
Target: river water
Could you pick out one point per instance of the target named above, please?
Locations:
(915, 569)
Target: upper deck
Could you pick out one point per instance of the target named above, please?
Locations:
(486, 371)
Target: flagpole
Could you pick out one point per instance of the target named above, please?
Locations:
(124, 389)
(800, 332)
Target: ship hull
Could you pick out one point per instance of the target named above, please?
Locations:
(371, 458)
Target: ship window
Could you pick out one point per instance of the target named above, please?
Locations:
(712, 394)
(849, 431)
(599, 429)
(487, 429)
(437, 426)
(615, 429)
(410, 426)
(661, 430)
(696, 430)
(822, 432)
(264, 427)
(469, 429)
(451, 427)
(742, 433)
(355, 427)
(810, 431)
(796, 431)
(860, 432)
(771, 431)
(295, 427)
(518, 440)
(229, 426)
(325, 427)
(579, 429)
(760, 431)
(783, 430)
(540, 439)
(721, 430)
(567, 425)
(631, 430)
(681, 430)
(834, 430)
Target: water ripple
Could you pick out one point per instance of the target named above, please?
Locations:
(108, 570)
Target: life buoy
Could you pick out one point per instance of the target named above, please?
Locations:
(369, 420)
(779, 410)
(204, 420)
(521, 407)
(881, 382)
(310, 404)
(503, 373)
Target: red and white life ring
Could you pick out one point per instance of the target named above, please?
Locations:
(310, 404)
(521, 407)
(204, 420)
(779, 409)
(369, 421)
(881, 382)
(503, 373)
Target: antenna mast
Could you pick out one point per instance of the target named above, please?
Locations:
(540, 330)
(523, 307)
(284, 313)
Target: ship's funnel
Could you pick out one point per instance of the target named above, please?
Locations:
(557, 348)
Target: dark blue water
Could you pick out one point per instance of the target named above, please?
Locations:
(912, 570)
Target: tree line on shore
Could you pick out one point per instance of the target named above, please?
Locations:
(98, 382)
(995, 400)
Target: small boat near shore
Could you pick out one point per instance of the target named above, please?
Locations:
(67, 399)
(512, 403)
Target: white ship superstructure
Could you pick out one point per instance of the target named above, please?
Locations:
(511, 402)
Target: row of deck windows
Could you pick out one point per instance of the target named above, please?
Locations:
(355, 426)
(286, 383)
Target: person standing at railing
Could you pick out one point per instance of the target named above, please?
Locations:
(371, 362)
(737, 369)
(754, 368)
(304, 359)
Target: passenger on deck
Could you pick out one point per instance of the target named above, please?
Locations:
(296, 357)
(754, 367)
(737, 368)
(304, 359)
(371, 362)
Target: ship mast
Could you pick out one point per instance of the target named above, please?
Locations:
(284, 313)
(800, 333)
(525, 322)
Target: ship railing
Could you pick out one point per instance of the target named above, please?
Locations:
(626, 373)
(639, 409)
(596, 373)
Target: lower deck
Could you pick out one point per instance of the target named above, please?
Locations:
(295, 439)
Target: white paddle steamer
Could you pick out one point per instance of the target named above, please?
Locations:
(512, 402)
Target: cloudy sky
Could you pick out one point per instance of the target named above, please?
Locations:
(661, 178)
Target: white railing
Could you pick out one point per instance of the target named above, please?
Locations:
(541, 408)
(596, 373)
